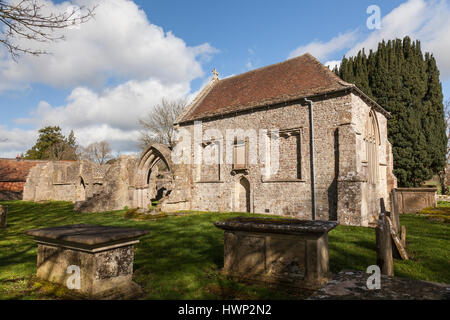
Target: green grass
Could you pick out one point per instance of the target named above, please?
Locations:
(182, 256)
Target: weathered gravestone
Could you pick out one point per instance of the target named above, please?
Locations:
(388, 239)
(96, 261)
(3, 215)
(384, 246)
(280, 252)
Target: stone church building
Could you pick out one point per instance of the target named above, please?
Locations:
(333, 159)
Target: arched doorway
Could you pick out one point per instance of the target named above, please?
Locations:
(243, 195)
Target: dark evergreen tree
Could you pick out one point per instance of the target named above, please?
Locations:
(406, 83)
(52, 145)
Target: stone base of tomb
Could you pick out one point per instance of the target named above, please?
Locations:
(94, 261)
(277, 252)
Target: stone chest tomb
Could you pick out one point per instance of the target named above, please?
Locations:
(280, 252)
(103, 255)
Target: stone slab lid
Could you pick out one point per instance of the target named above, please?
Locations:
(273, 225)
(87, 235)
(352, 285)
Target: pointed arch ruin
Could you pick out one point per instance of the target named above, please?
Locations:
(154, 175)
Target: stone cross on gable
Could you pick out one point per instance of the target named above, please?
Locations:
(215, 74)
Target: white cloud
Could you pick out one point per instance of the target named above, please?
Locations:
(322, 50)
(333, 63)
(111, 115)
(427, 21)
(120, 44)
(15, 141)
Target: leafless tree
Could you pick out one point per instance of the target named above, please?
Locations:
(157, 126)
(61, 151)
(443, 176)
(99, 152)
(30, 20)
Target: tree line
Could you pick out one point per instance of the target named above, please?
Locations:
(53, 145)
(404, 81)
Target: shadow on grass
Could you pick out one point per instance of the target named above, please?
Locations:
(182, 256)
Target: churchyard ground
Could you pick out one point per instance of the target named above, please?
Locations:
(182, 256)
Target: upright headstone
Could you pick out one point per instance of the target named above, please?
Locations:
(384, 246)
(403, 236)
(3, 214)
(395, 214)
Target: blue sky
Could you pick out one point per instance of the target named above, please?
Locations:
(112, 70)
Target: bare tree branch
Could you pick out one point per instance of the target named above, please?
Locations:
(157, 126)
(443, 176)
(99, 152)
(26, 19)
(61, 151)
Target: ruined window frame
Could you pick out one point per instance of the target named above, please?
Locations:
(239, 143)
(283, 134)
(204, 144)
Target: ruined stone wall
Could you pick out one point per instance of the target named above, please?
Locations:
(412, 200)
(116, 191)
(64, 181)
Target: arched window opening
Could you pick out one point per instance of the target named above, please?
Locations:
(372, 140)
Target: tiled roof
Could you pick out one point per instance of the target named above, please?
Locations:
(299, 77)
(12, 186)
(15, 171)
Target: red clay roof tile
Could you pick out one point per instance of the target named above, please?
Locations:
(295, 78)
(15, 171)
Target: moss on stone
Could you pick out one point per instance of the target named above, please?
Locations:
(441, 213)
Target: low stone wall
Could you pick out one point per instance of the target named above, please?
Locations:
(411, 200)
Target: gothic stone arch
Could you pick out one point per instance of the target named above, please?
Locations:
(154, 175)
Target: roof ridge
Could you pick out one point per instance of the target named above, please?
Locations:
(308, 55)
(299, 76)
(199, 98)
(266, 67)
(328, 71)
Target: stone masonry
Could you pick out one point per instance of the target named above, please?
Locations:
(353, 159)
(343, 190)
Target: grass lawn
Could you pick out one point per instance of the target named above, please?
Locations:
(182, 255)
